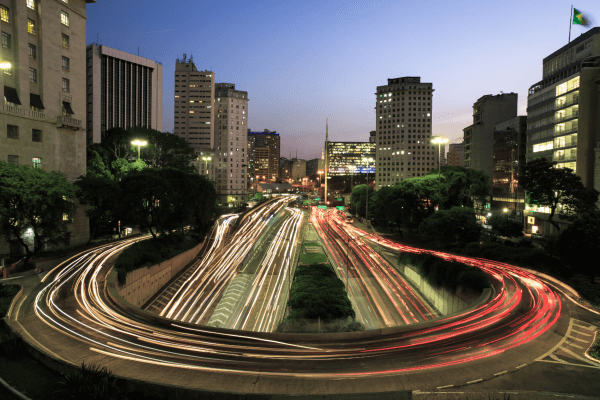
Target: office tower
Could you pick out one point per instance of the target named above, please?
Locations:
(293, 169)
(509, 158)
(456, 155)
(403, 130)
(372, 136)
(123, 91)
(264, 152)
(314, 165)
(563, 117)
(231, 122)
(346, 158)
(488, 111)
(194, 98)
(43, 113)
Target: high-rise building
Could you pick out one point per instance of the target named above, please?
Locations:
(372, 136)
(123, 91)
(509, 158)
(456, 155)
(263, 156)
(488, 111)
(43, 113)
(294, 169)
(345, 157)
(194, 99)
(403, 130)
(563, 116)
(314, 165)
(231, 142)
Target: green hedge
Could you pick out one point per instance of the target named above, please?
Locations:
(313, 258)
(150, 252)
(318, 293)
(446, 274)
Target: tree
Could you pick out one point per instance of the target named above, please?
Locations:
(386, 205)
(462, 185)
(579, 244)
(550, 187)
(36, 201)
(456, 225)
(359, 198)
(101, 195)
(165, 150)
(504, 227)
(420, 196)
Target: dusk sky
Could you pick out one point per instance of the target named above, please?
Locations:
(302, 62)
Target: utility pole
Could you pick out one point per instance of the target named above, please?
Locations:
(326, 158)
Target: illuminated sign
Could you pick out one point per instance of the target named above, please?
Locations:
(531, 220)
(323, 207)
(341, 208)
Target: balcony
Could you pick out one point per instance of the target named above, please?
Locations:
(21, 112)
(565, 157)
(558, 106)
(67, 122)
(566, 117)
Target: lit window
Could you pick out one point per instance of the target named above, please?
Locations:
(64, 18)
(65, 41)
(31, 26)
(31, 4)
(32, 75)
(4, 14)
(66, 85)
(37, 162)
(65, 217)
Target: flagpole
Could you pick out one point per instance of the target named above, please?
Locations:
(570, 22)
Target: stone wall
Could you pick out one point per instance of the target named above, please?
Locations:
(143, 283)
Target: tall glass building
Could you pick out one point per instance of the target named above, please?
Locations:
(343, 156)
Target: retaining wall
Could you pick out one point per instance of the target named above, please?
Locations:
(143, 283)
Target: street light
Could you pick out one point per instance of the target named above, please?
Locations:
(5, 65)
(439, 140)
(506, 212)
(206, 160)
(139, 143)
(368, 161)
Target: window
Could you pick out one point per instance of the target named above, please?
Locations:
(5, 40)
(14, 160)
(32, 75)
(31, 4)
(65, 63)
(32, 51)
(31, 26)
(12, 131)
(4, 14)
(36, 162)
(65, 85)
(36, 135)
(64, 18)
(65, 41)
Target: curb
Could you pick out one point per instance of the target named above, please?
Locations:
(16, 394)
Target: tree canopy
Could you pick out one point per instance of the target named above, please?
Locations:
(31, 198)
(359, 198)
(504, 227)
(456, 225)
(101, 194)
(461, 185)
(579, 244)
(551, 187)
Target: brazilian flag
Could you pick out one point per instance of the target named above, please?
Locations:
(578, 18)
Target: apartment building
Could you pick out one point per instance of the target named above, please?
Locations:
(231, 143)
(456, 155)
(403, 130)
(488, 111)
(43, 113)
(263, 155)
(194, 99)
(562, 116)
(123, 91)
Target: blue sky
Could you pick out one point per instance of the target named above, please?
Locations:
(304, 61)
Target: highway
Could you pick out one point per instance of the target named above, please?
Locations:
(70, 315)
(381, 296)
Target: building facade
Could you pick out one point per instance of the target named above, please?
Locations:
(372, 136)
(194, 99)
(43, 113)
(488, 111)
(231, 143)
(314, 165)
(562, 116)
(263, 154)
(346, 158)
(510, 139)
(456, 155)
(294, 169)
(403, 130)
(123, 91)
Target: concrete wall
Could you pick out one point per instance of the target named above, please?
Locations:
(142, 284)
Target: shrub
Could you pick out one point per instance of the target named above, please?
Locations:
(11, 345)
(94, 383)
(313, 258)
(7, 292)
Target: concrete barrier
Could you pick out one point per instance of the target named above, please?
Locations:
(143, 283)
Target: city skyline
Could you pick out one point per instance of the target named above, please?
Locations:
(335, 55)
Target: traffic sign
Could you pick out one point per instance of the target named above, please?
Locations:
(340, 199)
(341, 208)
(323, 207)
(317, 198)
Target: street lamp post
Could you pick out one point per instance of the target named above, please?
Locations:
(206, 160)
(368, 161)
(506, 212)
(439, 140)
(139, 143)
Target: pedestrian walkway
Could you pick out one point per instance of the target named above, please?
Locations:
(233, 294)
(572, 349)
